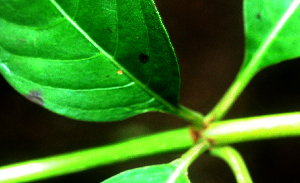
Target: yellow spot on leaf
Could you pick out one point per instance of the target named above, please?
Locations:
(120, 72)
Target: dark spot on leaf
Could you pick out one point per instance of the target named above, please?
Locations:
(35, 97)
(107, 76)
(144, 58)
(23, 40)
(109, 30)
(258, 16)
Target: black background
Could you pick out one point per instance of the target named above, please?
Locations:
(209, 43)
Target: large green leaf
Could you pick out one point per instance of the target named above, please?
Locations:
(95, 60)
(272, 29)
(164, 173)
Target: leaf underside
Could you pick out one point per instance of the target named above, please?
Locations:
(272, 30)
(90, 60)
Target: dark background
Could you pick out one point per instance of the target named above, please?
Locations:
(208, 40)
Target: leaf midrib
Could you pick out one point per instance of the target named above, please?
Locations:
(134, 79)
(254, 62)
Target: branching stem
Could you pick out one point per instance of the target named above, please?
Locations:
(220, 133)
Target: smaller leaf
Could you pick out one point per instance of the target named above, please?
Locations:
(166, 173)
(272, 32)
(272, 36)
(174, 172)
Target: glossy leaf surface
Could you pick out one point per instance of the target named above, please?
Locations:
(91, 60)
(164, 173)
(272, 29)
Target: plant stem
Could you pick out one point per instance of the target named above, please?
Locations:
(187, 158)
(254, 128)
(190, 156)
(194, 117)
(81, 160)
(235, 161)
(236, 88)
(249, 68)
(220, 133)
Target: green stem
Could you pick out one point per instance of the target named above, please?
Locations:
(235, 162)
(81, 160)
(234, 91)
(224, 132)
(250, 67)
(187, 158)
(254, 128)
(194, 117)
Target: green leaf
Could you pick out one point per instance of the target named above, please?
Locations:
(272, 32)
(91, 60)
(174, 172)
(164, 173)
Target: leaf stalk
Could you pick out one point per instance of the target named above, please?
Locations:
(196, 118)
(235, 161)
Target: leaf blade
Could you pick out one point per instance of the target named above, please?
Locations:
(155, 173)
(272, 32)
(272, 36)
(111, 61)
(174, 172)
